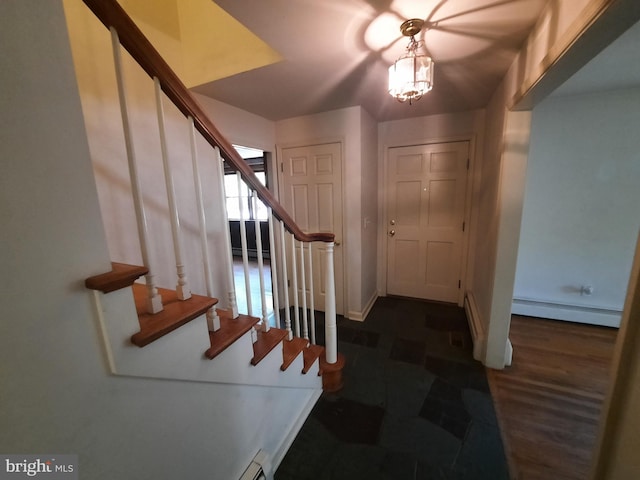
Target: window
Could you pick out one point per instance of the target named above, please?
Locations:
(239, 198)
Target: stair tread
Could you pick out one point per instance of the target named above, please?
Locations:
(230, 330)
(121, 276)
(291, 349)
(311, 354)
(175, 313)
(266, 342)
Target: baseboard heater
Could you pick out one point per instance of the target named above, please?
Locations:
(594, 315)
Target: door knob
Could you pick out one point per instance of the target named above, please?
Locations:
(391, 233)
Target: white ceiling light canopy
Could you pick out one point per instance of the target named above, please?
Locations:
(411, 76)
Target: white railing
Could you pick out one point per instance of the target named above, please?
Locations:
(213, 320)
(261, 272)
(291, 270)
(182, 285)
(154, 301)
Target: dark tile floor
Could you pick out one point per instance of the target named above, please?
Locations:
(415, 404)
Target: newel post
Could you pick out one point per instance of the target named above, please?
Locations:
(330, 329)
(332, 363)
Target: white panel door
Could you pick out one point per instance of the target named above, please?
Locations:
(426, 188)
(311, 191)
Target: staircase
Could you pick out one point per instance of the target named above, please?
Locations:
(175, 333)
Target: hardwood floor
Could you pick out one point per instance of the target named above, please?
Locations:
(549, 401)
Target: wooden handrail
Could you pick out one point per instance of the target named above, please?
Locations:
(111, 14)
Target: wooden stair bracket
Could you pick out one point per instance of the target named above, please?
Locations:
(174, 314)
(311, 354)
(332, 373)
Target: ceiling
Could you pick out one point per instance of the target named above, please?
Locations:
(336, 54)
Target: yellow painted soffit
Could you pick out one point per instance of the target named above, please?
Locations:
(218, 46)
(199, 40)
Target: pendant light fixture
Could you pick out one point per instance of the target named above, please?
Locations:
(411, 76)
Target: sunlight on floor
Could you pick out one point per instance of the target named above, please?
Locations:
(254, 289)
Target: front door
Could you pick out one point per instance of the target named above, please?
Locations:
(426, 188)
(311, 191)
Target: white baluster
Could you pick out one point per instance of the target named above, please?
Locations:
(294, 285)
(154, 300)
(303, 289)
(312, 310)
(274, 270)
(183, 290)
(232, 304)
(213, 320)
(330, 329)
(243, 242)
(263, 295)
(285, 283)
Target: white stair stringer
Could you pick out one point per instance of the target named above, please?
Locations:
(179, 355)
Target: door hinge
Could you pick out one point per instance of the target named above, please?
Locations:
(459, 283)
(282, 167)
(463, 225)
(468, 162)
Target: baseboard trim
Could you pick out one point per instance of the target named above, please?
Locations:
(566, 312)
(508, 355)
(282, 450)
(361, 316)
(478, 334)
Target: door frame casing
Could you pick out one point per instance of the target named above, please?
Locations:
(278, 185)
(382, 230)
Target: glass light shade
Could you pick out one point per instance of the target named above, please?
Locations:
(410, 77)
